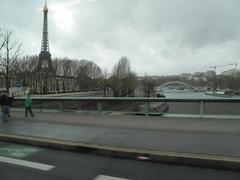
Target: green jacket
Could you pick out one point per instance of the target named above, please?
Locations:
(28, 102)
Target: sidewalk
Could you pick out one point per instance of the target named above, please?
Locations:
(209, 137)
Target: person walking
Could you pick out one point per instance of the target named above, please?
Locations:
(5, 102)
(28, 106)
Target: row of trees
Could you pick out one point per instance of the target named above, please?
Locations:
(89, 75)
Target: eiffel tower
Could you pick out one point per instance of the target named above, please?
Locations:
(45, 62)
(46, 75)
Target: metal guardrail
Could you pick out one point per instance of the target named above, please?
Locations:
(100, 100)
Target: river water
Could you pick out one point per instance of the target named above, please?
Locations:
(194, 108)
(190, 94)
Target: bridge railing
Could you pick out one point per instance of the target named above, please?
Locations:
(98, 104)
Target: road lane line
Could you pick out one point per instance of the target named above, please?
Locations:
(39, 166)
(103, 177)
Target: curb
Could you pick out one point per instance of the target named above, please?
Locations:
(177, 158)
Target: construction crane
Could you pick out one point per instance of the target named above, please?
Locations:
(215, 67)
(234, 64)
(214, 78)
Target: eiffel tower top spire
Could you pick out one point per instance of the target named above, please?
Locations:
(45, 8)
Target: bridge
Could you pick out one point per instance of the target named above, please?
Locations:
(210, 143)
(175, 85)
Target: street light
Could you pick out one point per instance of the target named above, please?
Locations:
(214, 77)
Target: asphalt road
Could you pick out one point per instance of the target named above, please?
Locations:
(188, 140)
(71, 166)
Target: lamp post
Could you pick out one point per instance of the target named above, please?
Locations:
(214, 78)
(41, 87)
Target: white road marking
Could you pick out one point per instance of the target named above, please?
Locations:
(40, 166)
(103, 177)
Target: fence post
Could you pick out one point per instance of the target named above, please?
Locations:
(99, 107)
(41, 105)
(201, 109)
(146, 108)
(61, 109)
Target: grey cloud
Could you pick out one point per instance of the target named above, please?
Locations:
(156, 32)
(192, 23)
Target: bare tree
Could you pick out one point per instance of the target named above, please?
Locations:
(23, 70)
(11, 51)
(88, 74)
(105, 83)
(65, 70)
(2, 42)
(148, 86)
(123, 80)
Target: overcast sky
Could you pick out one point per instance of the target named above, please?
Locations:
(160, 37)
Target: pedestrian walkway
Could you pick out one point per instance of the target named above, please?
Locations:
(199, 136)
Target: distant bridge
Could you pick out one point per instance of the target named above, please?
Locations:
(175, 85)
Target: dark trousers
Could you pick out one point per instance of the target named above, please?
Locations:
(5, 112)
(28, 109)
